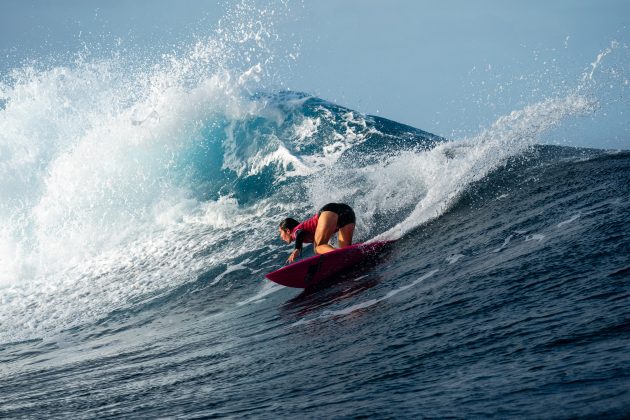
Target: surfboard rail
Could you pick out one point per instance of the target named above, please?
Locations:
(310, 271)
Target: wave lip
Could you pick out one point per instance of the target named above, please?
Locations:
(449, 168)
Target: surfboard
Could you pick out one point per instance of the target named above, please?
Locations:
(310, 271)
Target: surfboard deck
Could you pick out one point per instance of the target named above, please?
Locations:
(310, 271)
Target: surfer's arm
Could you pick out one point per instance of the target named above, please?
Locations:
(299, 240)
(293, 255)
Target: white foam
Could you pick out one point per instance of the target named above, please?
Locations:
(570, 220)
(291, 165)
(222, 213)
(306, 129)
(267, 289)
(505, 243)
(242, 265)
(454, 258)
(137, 272)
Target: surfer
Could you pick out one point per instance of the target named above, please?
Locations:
(333, 217)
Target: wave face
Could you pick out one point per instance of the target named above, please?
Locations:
(139, 215)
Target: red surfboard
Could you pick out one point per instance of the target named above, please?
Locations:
(310, 271)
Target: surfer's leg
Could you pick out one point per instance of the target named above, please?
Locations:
(326, 225)
(344, 236)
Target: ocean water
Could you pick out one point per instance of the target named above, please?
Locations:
(139, 214)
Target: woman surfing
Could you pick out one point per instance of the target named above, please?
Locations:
(333, 217)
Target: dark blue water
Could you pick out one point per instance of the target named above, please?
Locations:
(505, 295)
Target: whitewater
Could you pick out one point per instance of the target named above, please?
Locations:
(139, 213)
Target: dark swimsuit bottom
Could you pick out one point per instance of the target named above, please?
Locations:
(345, 217)
(344, 211)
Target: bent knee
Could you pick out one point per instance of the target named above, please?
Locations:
(317, 249)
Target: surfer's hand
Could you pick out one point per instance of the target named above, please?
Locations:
(293, 256)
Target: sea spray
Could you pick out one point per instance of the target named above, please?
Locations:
(449, 168)
(102, 165)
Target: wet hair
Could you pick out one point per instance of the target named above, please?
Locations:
(288, 223)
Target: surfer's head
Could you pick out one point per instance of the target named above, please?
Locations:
(285, 229)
